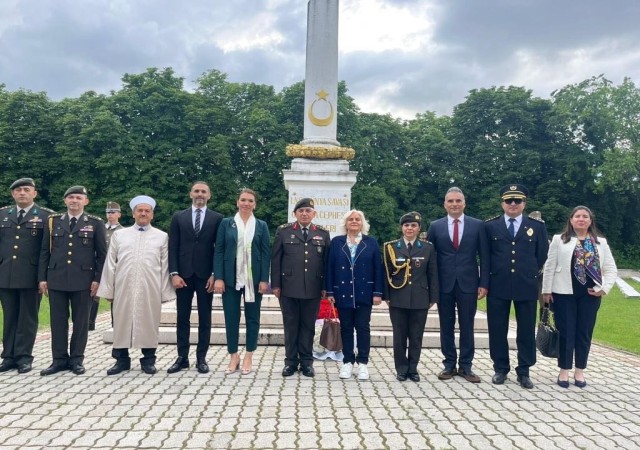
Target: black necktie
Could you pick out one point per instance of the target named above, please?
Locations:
(409, 246)
(72, 223)
(21, 215)
(304, 233)
(197, 226)
(512, 228)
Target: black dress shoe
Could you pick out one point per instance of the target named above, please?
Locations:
(525, 381)
(7, 366)
(181, 363)
(415, 377)
(499, 378)
(401, 377)
(24, 368)
(447, 374)
(289, 370)
(78, 369)
(308, 371)
(53, 368)
(202, 366)
(149, 369)
(118, 367)
(92, 327)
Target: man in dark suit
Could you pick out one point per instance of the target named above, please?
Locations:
(113, 216)
(518, 250)
(73, 251)
(298, 258)
(192, 240)
(460, 241)
(411, 288)
(21, 231)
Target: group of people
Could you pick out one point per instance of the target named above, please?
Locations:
(76, 258)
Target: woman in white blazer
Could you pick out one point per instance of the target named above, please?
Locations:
(579, 270)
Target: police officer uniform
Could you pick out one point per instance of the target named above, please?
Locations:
(70, 261)
(298, 270)
(411, 288)
(20, 241)
(111, 207)
(515, 268)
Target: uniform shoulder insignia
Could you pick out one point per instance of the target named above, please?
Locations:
(95, 217)
(285, 225)
(47, 209)
(424, 241)
(536, 219)
(320, 227)
(55, 214)
(391, 242)
(494, 218)
(5, 207)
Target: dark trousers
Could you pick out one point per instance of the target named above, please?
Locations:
(183, 326)
(408, 330)
(231, 300)
(498, 320)
(466, 304)
(20, 324)
(575, 319)
(299, 320)
(357, 319)
(122, 356)
(59, 302)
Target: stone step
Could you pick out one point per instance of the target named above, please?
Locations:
(275, 336)
(626, 289)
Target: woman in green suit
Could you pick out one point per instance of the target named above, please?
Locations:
(241, 269)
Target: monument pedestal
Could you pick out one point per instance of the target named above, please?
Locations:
(328, 182)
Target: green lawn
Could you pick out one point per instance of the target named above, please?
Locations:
(617, 323)
(44, 318)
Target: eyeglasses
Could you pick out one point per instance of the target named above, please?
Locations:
(511, 201)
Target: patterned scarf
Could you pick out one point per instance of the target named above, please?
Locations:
(587, 262)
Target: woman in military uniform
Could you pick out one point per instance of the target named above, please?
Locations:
(411, 288)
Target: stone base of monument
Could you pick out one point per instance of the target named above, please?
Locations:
(271, 331)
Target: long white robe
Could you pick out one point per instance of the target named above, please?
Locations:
(136, 277)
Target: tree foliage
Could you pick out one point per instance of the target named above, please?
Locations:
(152, 136)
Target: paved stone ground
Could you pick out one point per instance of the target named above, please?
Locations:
(188, 410)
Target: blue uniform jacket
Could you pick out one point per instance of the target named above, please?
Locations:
(358, 281)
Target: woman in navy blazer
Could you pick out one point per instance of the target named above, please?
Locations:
(241, 269)
(354, 284)
(579, 270)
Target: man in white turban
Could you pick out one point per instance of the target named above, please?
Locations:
(136, 279)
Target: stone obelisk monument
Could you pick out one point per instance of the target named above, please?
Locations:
(320, 167)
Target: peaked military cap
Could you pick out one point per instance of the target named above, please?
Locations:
(76, 190)
(112, 207)
(410, 217)
(514, 191)
(23, 182)
(304, 203)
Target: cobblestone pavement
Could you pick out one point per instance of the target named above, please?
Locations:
(189, 410)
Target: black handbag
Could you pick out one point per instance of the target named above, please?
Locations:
(547, 337)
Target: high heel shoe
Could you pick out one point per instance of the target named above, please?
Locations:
(580, 384)
(563, 383)
(246, 369)
(231, 368)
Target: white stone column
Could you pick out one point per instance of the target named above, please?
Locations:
(321, 76)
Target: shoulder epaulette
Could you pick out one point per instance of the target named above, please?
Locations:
(320, 227)
(95, 217)
(43, 208)
(391, 242)
(55, 214)
(494, 218)
(6, 207)
(537, 220)
(285, 225)
(424, 241)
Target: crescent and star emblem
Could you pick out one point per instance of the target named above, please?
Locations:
(317, 121)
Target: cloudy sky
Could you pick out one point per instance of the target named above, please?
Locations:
(397, 56)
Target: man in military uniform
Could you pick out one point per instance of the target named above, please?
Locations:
(21, 231)
(411, 288)
(518, 248)
(112, 224)
(298, 259)
(71, 259)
